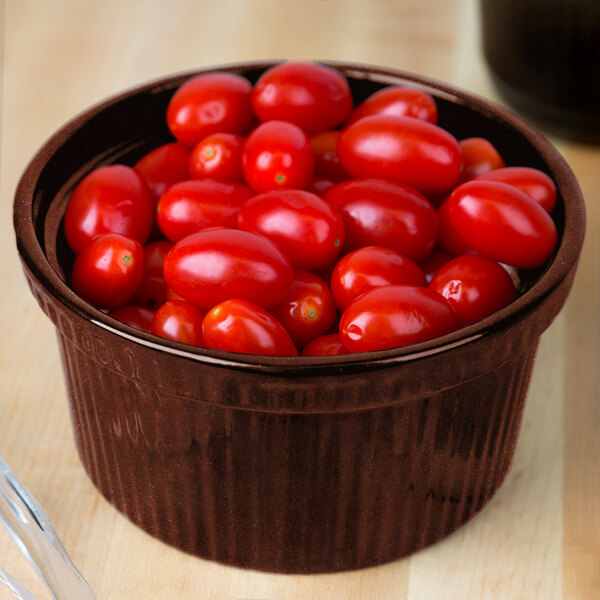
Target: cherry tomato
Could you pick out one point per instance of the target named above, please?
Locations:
(327, 162)
(369, 267)
(383, 213)
(111, 199)
(139, 317)
(309, 230)
(395, 315)
(238, 325)
(325, 345)
(277, 155)
(153, 289)
(180, 321)
(533, 182)
(308, 311)
(479, 156)
(210, 266)
(210, 103)
(109, 270)
(195, 204)
(403, 149)
(399, 101)
(501, 222)
(475, 287)
(164, 166)
(433, 262)
(218, 156)
(312, 96)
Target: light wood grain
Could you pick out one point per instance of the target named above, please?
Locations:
(538, 539)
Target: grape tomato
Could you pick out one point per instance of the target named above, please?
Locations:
(192, 205)
(309, 230)
(475, 286)
(211, 266)
(180, 321)
(377, 212)
(238, 325)
(402, 149)
(399, 101)
(308, 311)
(110, 199)
(533, 182)
(314, 97)
(501, 222)
(277, 155)
(210, 103)
(395, 315)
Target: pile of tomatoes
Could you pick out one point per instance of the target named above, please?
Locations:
(285, 220)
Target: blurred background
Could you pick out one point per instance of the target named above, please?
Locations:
(539, 537)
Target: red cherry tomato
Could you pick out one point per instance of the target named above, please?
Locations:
(208, 267)
(327, 162)
(109, 270)
(139, 317)
(403, 149)
(312, 96)
(475, 287)
(369, 267)
(433, 262)
(111, 199)
(277, 155)
(238, 325)
(479, 156)
(399, 101)
(309, 230)
(218, 156)
(180, 321)
(164, 166)
(501, 222)
(308, 311)
(533, 182)
(395, 315)
(210, 103)
(153, 289)
(195, 204)
(325, 345)
(383, 213)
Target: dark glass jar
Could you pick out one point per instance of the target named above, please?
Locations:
(544, 56)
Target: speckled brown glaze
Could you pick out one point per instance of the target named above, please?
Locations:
(299, 465)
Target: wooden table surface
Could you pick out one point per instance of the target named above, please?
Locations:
(538, 539)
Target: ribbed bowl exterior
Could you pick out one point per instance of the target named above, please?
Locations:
(302, 490)
(285, 464)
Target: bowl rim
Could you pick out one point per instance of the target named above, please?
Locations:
(563, 262)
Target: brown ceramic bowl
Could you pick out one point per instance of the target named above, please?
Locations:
(296, 465)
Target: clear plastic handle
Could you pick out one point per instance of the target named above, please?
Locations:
(37, 540)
